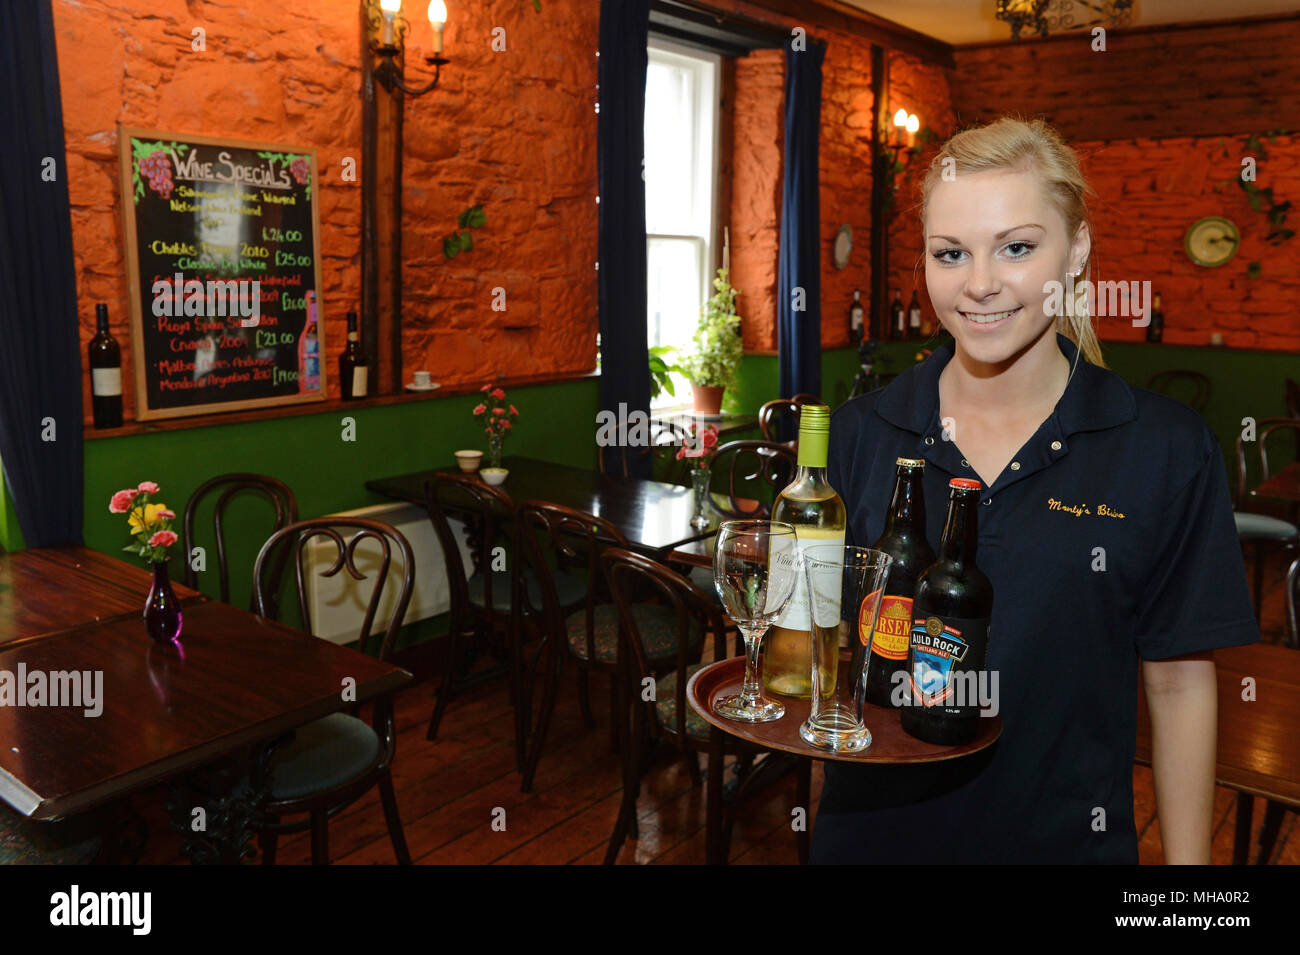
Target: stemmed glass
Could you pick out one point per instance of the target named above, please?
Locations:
(755, 566)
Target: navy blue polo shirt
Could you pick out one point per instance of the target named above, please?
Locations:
(1108, 539)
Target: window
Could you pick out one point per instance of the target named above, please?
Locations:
(681, 113)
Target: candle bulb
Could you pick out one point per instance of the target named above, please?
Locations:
(437, 19)
(913, 124)
(389, 8)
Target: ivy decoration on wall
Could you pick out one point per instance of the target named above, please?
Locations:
(893, 167)
(1260, 198)
(299, 167)
(537, 5)
(458, 242)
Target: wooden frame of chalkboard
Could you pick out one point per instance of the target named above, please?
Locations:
(208, 222)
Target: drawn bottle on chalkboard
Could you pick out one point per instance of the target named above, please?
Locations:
(309, 350)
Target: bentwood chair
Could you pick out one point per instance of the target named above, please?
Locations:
(1263, 534)
(669, 655)
(754, 473)
(773, 415)
(330, 763)
(548, 537)
(276, 493)
(662, 437)
(480, 594)
(1177, 382)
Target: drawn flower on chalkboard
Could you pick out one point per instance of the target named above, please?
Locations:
(158, 170)
(300, 171)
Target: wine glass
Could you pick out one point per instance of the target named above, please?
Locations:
(755, 566)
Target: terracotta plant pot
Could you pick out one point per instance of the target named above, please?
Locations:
(708, 398)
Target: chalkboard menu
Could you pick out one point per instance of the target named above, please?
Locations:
(223, 257)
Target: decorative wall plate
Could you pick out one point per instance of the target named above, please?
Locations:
(843, 246)
(1212, 241)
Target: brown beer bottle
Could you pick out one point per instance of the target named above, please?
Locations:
(904, 540)
(950, 630)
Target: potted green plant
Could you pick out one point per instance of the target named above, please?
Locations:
(711, 367)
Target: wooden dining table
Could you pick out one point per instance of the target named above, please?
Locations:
(655, 517)
(1258, 748)
(45, 590)
(132, 712)
(1282, 486)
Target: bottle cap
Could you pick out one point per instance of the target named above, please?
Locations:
(910, 463)
(814, 435)
(965, 484)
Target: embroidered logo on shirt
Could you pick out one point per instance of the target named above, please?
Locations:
(1083, 510)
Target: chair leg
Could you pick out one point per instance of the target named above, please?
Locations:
(613, 713)
(544, 717)
(1259, 582)
(1241, 838)
(1268, 832)
(631, 785)
(584, 698)
(715, 852)
(1293, 624)
(803, 796)
(266, 841)
(448, 679)
(320, 837)
(393, 818)
(693, 767)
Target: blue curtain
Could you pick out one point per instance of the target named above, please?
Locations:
(798, 307)
(40, 363)
(624, 361)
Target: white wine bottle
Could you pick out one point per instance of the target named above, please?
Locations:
(818, 515)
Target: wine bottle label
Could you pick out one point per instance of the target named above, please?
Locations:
(796, 615)
(947, 656)
(359, 381)
(893, 627)
(105, 382)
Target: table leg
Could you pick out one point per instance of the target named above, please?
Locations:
(715, 851)
(1241, 840)
(217, 807)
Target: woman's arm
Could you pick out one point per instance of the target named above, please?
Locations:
(1182, 700)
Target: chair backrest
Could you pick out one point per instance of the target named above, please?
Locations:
(631, 577)
(274, 490)
(768, 420)
(488, 509)
(1264, 429)
(752, 466)
(1292, 398)
(1177, 382)
(664, 438)
(575, 538)
(295, 537)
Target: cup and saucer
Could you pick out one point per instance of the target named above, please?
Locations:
(423, 382)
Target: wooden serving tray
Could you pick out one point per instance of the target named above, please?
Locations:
(889, 744)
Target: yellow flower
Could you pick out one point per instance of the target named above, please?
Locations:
(150, 517)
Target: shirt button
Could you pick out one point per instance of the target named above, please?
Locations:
(965, 463)
(1015, 465)
(988, 501)
(929, 440)
(1056, 445)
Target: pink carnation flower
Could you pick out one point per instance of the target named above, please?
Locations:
(147, 487)
(498, 411)
(505, 425)
(121, 502)
(480, 409)
(514, 410)
(166, 514)
(498, 394)
(163, 539)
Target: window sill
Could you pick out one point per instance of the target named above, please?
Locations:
(331, 406)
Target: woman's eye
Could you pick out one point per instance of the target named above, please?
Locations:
(948, 256)
(1018, 250)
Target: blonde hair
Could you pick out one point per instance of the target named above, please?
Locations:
(1015, 144)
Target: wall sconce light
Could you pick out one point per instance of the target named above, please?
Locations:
(388, 30)
(903, 122)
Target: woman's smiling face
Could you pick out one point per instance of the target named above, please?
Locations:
(993, 242)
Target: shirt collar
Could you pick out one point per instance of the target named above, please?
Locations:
(1094, 399)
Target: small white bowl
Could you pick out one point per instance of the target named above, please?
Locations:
(469, 460)
(494, 476)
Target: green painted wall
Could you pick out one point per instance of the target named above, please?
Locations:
(309, 454)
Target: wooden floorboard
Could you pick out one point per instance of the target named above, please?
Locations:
(448, 789)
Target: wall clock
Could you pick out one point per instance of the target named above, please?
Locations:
(843, 246)
(1211, 241)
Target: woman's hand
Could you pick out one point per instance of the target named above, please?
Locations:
(1182, 700)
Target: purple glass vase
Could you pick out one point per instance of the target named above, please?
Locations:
(162, 611)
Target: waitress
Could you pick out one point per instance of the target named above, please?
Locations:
(1105, 527)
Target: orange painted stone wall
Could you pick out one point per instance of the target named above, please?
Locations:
(513, 130)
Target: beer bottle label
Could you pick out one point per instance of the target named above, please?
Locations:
(893, 627)
(947, 657)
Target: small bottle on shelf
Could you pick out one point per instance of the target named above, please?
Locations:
(353, 367)
(1156, 327)
(914, 317)
(897, 318)
(105, 373)
(856, 314)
